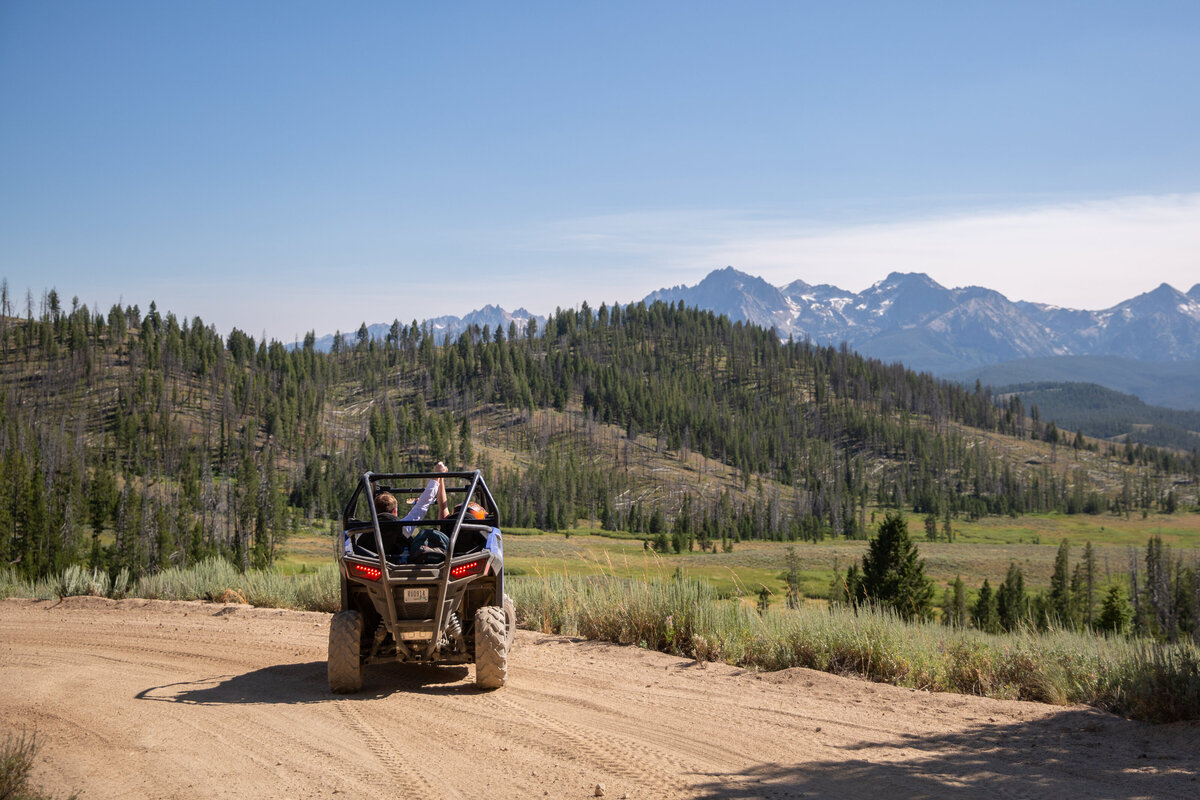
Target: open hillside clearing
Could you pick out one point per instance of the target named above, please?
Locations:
(153, 699)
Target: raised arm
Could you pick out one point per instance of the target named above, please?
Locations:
(443, 503)
(434, 490)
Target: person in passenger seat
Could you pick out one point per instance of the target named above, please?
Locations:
(396, 533)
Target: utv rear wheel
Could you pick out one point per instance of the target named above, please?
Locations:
(510, 621)
(491, 647)
(345, 654)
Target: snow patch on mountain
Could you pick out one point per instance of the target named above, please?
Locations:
(910, 317)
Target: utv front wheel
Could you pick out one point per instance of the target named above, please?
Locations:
(345, 655)
(491, 647)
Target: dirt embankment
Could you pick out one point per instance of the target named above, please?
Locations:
(145, 699)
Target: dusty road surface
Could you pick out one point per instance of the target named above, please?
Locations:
(147, 699)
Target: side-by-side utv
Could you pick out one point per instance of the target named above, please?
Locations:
(429, 591)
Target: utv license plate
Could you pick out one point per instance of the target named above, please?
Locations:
(409, 636)
(416, 595)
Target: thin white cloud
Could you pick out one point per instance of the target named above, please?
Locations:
(1081, 255)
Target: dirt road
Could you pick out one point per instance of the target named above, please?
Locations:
(146, 699)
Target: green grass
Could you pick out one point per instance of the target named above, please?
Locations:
(304, 551)
(982, 550)
(1141, 680)
(1181, 529)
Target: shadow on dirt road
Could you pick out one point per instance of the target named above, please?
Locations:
(307, 683)
(1076, 753)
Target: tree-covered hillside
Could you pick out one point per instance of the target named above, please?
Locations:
(1106, 414)
(137, 440)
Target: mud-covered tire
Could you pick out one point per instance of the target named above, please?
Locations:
(491, 648)
(345, 654)
(510, 621)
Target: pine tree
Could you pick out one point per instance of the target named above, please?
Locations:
(983, 612)
(1012, 604)
(893, 574)
(466, 450)
(1083, 589)
(956, 604)
(1060, 594)
(1115, 612)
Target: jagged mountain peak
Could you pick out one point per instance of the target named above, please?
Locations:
(905, 282)
(798, 290)
(445, 327)
(901, 278)
(910, 317)
(1164, 290)
(732, 277)
(904, 299)
(738, 295)
(1164, 297)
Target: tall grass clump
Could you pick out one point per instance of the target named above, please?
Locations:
(14, 585)
(213, 580)
(77, 580)
(216, 580)
(319, 590)
(660, 615)
(1139, 679)
(16, 762)
(1155, 683)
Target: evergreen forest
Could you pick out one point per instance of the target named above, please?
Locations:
(135, 440)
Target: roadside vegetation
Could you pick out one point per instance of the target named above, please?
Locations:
(690, 617)
(213, 580)
(16, 764)
(1139, 679)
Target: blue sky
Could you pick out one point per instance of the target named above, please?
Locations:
(286, 166)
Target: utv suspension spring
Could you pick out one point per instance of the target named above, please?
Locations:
(454, 633)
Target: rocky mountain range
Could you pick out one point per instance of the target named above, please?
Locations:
(1148, 345)
(911, 318)
(448, 327)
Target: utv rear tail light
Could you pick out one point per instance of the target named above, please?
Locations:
(475, 567)
(363, 571)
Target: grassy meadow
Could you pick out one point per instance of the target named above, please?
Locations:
(982, 549)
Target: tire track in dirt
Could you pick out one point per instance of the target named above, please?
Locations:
(690, 710)
(694, 707)
(258, 727)
(636, 761)
(400, 775)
